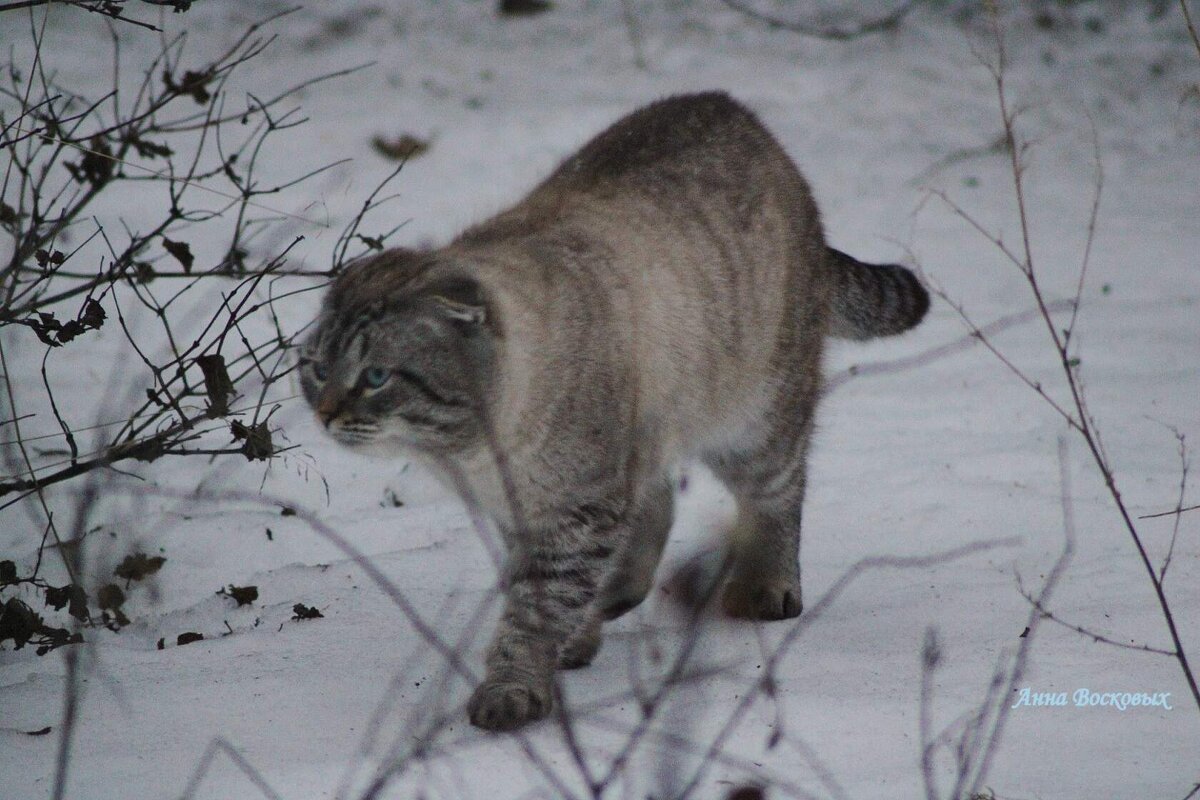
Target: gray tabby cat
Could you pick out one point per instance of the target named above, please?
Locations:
(663, 295)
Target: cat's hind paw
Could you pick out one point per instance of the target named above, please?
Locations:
(764, 601)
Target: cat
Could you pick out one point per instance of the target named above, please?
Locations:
(664, 295)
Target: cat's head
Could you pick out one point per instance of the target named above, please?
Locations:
(399, 358)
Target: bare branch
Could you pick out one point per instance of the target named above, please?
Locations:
(1096, 637)
(1173, 512)
(1078, 418)
(1187, 16)
(976, 336)
(1184, 465)
(885, 23)
(802, 623)
(221, 745)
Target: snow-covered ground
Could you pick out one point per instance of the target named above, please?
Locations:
(907, 462)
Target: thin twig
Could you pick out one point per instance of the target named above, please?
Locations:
(108, 10)
(978, 334)
(1047, 614)
(221, 745)
(991, 742)
(885, 23)
(1080, 421)
(1187, 16)
(802, 623)
(1175, 512)
(635, 35)
(1184, 465)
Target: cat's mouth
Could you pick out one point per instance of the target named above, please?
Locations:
(354, 433)
(369, 438)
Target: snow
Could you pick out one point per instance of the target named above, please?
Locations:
(908, 462)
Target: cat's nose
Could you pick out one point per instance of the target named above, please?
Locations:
(327, 407)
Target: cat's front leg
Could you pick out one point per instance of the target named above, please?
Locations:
(553, 582)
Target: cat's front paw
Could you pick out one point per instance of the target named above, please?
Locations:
(505, 705)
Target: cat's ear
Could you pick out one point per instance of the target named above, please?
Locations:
(460, 299)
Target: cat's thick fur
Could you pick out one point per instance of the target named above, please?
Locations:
(663, 295)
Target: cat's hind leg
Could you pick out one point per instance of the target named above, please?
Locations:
(632, 575)
(769, 483)
(583, 644)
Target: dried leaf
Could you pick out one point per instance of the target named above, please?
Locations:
(72, 596)
(256, 440)
(523, 8)
(147, 450)
(401, 147)
(747, 793)
(301, 611)
(41, 334)
(69, 330)
(97, 165)
(43, 324)
(244, 595)
(42, 257)
(182, 252)
(137, 566)
(77, 608)
(52, 638)
(18, 622)
(193, 83)
(93, 315)
(8, 572)
(110, 597)
(373, 242)
(217, 384)
(234, 261)
(151, 149)
(188, 638)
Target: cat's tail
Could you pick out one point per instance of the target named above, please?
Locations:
(872, 300)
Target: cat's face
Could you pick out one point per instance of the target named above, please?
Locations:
(400, 373)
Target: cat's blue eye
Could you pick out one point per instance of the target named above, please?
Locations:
(319, 371)
(376, 376)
